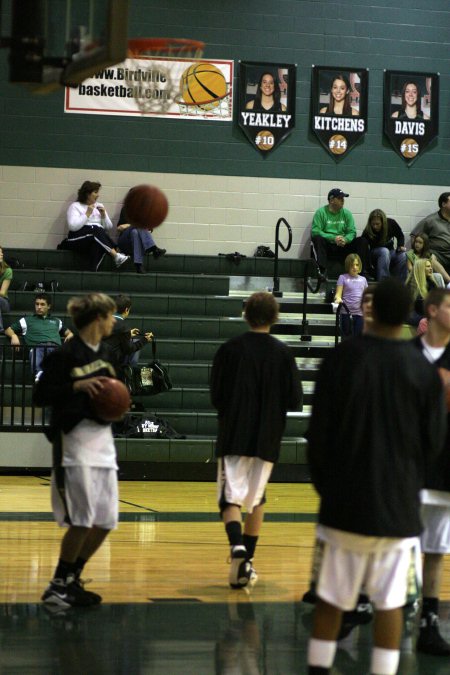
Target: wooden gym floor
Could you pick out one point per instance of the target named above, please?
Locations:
(166, 605)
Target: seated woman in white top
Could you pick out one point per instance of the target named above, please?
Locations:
(88, 223)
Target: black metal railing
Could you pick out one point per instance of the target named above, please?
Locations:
(17, 411)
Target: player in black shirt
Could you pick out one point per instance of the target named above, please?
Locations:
(254, 382)
(378, 418)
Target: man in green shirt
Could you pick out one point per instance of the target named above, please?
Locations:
(41, 332)
(332, 232)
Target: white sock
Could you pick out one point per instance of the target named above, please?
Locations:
(384, 661)
(321, 652)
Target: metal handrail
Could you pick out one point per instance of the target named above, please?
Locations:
(337, 331)
(278, 243)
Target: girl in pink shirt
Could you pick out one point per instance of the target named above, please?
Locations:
(350, 288)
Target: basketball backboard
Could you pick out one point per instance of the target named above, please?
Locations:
(65, 41)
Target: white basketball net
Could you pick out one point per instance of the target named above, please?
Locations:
(216, 108)
(149, 98)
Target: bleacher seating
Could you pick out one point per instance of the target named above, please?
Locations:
(187, 303)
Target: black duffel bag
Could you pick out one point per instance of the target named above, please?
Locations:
(148, 380)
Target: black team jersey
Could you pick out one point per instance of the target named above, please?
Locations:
(254, 382)
(54, 387)
(378, 418)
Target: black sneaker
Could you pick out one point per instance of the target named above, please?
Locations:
(81, 583)
(241, 567)
(56, 594)
(362, 615)
(310, 597)
(430, 641)
(67, 595)
(158, 252)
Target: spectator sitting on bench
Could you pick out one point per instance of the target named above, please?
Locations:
(88, 223)
(136, 242)
(420, 282)
(125, 343)
(332, 232)
(382, 246)
(6, 275)
(41, 331)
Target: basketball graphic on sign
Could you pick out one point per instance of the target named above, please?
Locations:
(203, 85)
(337, 144)
(264, 140)
(409, 147)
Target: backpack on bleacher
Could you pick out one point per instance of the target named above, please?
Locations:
(148, 426)
(41, 286)
(264, 252)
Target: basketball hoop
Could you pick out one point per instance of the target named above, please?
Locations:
(153, 99)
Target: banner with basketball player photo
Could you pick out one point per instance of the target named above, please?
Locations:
(157, 87)
(266, 103)
(411, 111)
(339, 107)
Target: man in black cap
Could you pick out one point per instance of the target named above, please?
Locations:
(333, 230)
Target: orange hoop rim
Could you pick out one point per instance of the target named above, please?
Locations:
(143, 46)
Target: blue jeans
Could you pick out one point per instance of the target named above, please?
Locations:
(351, 326)
(38, 354)
(4, 307)
(135, 241)
(387, 261)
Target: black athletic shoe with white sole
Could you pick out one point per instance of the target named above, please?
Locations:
(430, 641)
(67, 595)
(95, 597)
(240, 569)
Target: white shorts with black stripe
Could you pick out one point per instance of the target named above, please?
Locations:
(242, 481)
(84, 496)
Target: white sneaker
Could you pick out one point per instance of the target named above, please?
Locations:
(253, 575)
(120, 259)
(240, 569)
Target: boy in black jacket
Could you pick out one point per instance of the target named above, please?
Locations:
(254, 382)
(378, 416)
(84, 477)
(125, 343)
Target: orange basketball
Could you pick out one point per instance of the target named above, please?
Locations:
(146, 206)
(112, 401)
(445, 377)
(204, 85)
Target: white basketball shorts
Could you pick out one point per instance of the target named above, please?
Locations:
(388, 571)
(242, 481)
(84, 496)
